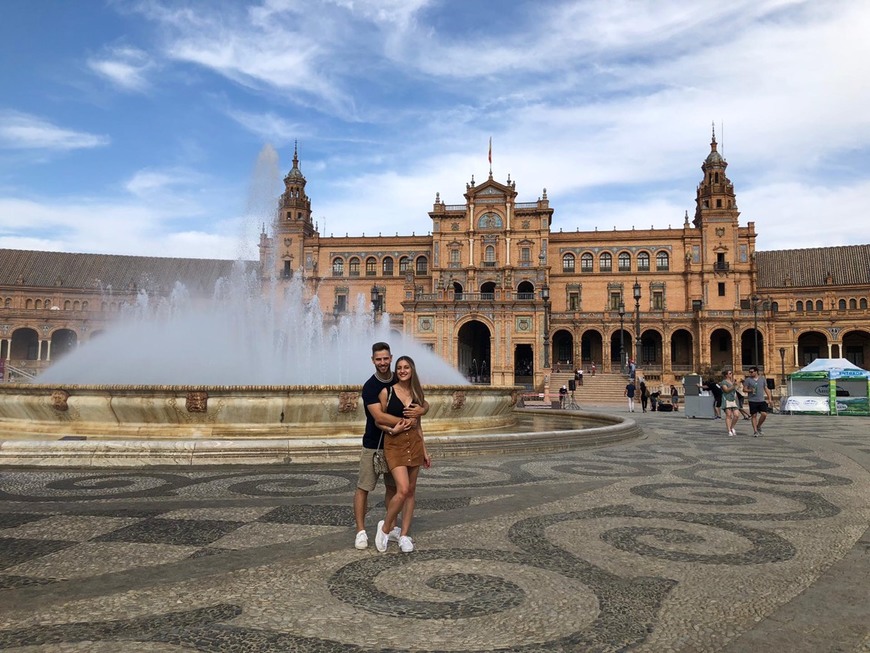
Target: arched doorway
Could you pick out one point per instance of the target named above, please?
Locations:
(621, 341)
(591, 348)
(524, 366)
(525, 290)
(721, 349)
(682, 351)
(63, 341)
(650, 350)
(487, 291)
(749, 356)
(25, 345)
(811, 345)
(474, 354)
(563, 350)
(457, 290)
(856, 348)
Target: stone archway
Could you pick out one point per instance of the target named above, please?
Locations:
(747, 348)
(591, 348)
(625, 343)
(474, 351)
(563, 350)
(25, 345)
(682, 351)
(811, 345)
(524, 365)
(651, 350)
(721, 349)
(856, 348)
(63, 341)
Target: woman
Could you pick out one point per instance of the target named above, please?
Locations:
(675, 397)
(729, 400)
(644, 395)
(404, 450)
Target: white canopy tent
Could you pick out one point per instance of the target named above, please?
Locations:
(829, 386)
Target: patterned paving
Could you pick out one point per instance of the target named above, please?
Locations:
(684, 541)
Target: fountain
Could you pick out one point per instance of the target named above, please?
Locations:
(251, 374)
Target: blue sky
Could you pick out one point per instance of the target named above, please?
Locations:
(164, 127)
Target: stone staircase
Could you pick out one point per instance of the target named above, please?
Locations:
(601, 389)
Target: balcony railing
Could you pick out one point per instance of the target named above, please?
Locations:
(721, 266)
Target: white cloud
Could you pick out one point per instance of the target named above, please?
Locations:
(269, 126)
(124, 66)
(23, 131)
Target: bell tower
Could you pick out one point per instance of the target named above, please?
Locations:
(715, 200)
(293, 222)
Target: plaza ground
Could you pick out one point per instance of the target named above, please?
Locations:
(682, 540)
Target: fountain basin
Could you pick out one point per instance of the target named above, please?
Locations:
(134, 426)
(189, 412)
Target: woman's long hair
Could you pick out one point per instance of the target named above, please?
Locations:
(416, 389)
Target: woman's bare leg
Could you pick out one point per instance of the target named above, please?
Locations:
(394, 507)
(410, 500)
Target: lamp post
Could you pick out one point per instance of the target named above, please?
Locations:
(755, 301)
(621, 336)
(637, 321)
(545, 295)
(782, 364)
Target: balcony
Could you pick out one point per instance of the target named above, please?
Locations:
(721, 266)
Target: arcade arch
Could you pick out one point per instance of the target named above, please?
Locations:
(474, 351)
(721, 348)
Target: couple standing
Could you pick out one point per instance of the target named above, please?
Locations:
(394, 405)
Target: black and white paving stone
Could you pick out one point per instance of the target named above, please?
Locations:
(686, 540)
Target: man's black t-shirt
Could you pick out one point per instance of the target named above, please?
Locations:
(370, 392)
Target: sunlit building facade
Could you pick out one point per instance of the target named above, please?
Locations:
(506, 300)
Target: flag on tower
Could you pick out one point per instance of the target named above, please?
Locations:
(490, 151)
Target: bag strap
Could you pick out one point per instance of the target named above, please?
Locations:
(389, 396)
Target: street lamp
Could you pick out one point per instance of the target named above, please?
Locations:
(545, 295)
(755, 301)
(637, 320)
(621, 336)
(782, 363)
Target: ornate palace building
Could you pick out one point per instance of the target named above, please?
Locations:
(498, 294)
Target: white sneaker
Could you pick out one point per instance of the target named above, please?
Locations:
(405, 544)
(381, 538)
(362, 540)
(394, 534)
(731, 433)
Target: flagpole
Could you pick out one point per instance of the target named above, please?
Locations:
(490, 156)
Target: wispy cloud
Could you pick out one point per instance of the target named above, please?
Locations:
(124, 66)
(269, 126)
(23, 131)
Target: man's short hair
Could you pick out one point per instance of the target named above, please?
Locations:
(380, 346)
(753, 369)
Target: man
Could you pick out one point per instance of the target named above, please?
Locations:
(716, 391)
(563, 395)
(759, 398)
(629, 392)
(382, 378)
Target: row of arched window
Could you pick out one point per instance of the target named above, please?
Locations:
(623, 262)
(842, 305)
(68, 305)
(386, 267)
